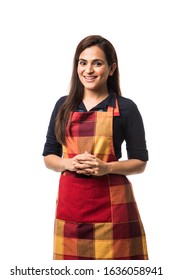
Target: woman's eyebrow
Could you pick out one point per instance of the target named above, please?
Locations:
(93, 60)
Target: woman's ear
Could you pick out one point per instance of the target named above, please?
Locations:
(112, 69)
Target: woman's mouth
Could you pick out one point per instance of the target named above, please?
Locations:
(90, 78)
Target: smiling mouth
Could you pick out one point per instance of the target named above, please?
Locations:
(90, 78)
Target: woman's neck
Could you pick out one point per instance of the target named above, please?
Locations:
(91, 98)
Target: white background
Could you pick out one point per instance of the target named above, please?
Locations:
(38, 41)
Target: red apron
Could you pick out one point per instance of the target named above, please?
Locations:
(96, 217)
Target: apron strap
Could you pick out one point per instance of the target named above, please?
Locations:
(116, 111)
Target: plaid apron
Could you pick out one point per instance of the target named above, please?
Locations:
(96, 217)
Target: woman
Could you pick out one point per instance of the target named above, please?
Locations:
(96, 213)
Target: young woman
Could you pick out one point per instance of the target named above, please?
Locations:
(96, 212)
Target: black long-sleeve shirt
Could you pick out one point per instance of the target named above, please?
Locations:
(127, 127)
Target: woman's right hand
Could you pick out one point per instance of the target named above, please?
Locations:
(77, 163)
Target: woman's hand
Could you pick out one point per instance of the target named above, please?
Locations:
(89, 165)
(79, 162)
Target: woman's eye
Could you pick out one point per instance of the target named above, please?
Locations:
(82, 63)
(97, 63)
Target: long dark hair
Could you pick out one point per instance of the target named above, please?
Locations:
(76, 88)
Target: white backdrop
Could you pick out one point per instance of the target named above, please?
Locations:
(38, 41)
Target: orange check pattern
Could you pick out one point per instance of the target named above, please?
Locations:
(96, 217)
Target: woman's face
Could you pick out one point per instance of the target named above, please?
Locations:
(93, 69)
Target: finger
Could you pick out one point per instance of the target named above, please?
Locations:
(85, 171)
(91, 163)
(84, 157)
(82, 166)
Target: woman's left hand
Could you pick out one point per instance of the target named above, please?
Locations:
(91, 166)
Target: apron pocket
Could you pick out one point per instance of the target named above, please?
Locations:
(83, 199)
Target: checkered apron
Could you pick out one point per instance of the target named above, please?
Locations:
(96, 217)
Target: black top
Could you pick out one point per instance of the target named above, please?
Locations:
(128, 126)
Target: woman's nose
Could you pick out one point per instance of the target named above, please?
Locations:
(89, 68)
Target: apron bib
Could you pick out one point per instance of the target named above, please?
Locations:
(96, 217)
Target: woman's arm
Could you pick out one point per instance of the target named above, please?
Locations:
(126, 167)
(58, 164)
(99, 167)
(90, 165)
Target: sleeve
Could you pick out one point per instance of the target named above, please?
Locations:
(135, 134)
(51, 145)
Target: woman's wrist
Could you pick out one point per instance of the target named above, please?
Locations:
(111, 167)
(65, 164)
